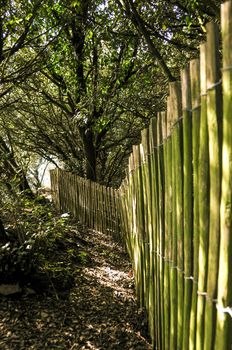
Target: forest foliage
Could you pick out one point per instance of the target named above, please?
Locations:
(78, 81)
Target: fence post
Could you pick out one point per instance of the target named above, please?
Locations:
(187, 201)
(214, 119)
(196, 110)
(203, 189)
(224, 298)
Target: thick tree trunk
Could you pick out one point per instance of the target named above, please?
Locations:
(89, 153)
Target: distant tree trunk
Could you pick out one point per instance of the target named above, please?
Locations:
(3, 235)
(89, 150)
(13, 170)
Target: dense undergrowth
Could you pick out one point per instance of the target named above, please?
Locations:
(38, 247)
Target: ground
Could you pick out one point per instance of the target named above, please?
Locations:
(99, 311)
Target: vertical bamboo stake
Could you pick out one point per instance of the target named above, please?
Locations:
(188, 202)
(130, 231)
(131, 207)
(152, 319)
(170, 201)
(109, 211)
(137, 251)
(161, 222)
(177, 210)
(166, 238)
(203, 204)
(195, 95)
(142, 234)
(224, 303)
(214, 116)
(147, 216)
(157, 240)
(153, 248)
(173, 252)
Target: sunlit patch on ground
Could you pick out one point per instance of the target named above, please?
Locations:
(100, 312)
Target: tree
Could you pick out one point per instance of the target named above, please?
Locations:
(78, 106)
(94, 88)
(178, 24)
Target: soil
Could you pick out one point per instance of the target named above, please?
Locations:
(97, 311)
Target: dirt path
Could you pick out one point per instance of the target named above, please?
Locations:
(99, 312)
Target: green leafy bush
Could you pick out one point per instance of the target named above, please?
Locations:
(31, 231)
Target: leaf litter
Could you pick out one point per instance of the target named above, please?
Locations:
(99, 311)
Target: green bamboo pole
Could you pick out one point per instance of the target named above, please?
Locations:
(195, 96)
(131, 207)
(203, 186)
(144, 187)
(157, 243)
(116, 215)
(95, 208)
(147, 208)
(54, 187)
(96, 221)
(107, 213)
(157, 240)
(224, 297)
(166, 238)
(110, 218)
(178, 171)
(112, 212)
(61, 190)
(177, 246)
(134, 229)
(173, 241)
(169, 179)
(152, 310)
(188, 202)
(153, 247)
(139, 218)
(73, 195)
(83, 201)
(214, 116)
(76, 197)
(161, 222)
(103, 209)
(88, 202)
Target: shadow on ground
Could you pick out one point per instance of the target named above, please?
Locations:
(99, 312)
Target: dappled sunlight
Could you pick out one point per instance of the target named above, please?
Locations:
(99, 312)
(110, 278)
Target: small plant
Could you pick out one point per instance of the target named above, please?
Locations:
(32, 228)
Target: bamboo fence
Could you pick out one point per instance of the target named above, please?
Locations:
(92, 204)
(173, 209)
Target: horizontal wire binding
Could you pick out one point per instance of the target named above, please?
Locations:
(224, 69)
(189, 278)
(212, 86)
(227, 309)
(224, 310)
(177, 122)
(196, 108)
(203, 294)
